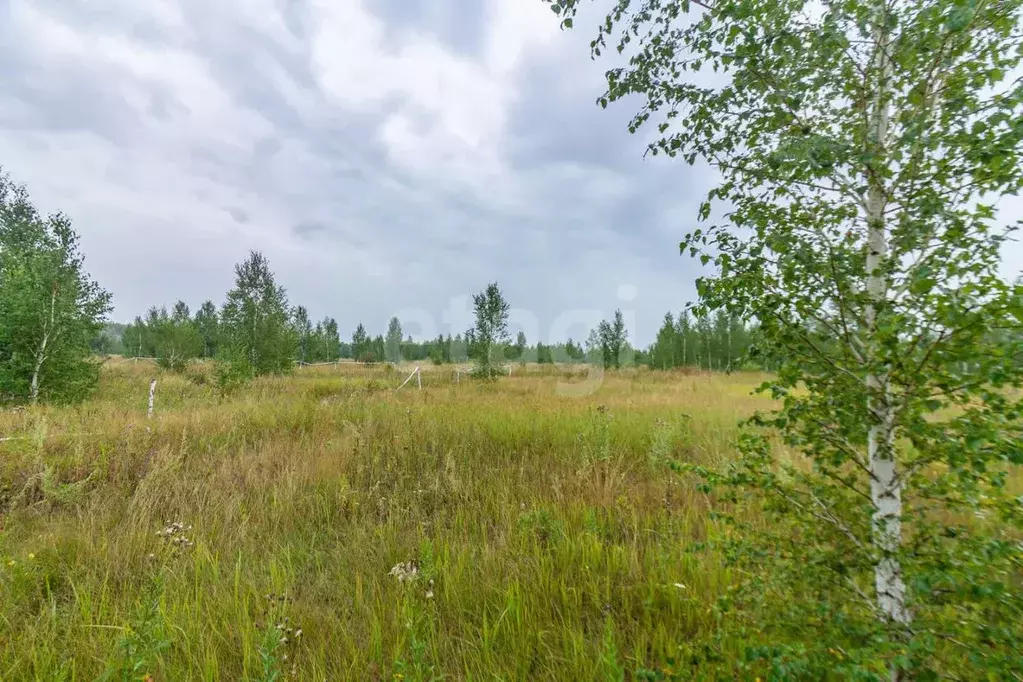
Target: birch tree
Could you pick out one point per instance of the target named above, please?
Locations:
(206, 323)
(50, 309)
(254, 320)
(861, 147)
(490, 332)
(303, 329)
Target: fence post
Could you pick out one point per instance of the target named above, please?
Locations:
(415, 373)
(152, 394)
(419, 378)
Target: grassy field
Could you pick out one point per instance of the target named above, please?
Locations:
(546, 535)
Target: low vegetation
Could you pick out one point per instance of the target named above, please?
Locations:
(464, 531)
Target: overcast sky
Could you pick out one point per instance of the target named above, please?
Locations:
(387, 156)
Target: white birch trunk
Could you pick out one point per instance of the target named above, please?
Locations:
(885, 484)
(40, 358)
(41, 352)
(152, 396)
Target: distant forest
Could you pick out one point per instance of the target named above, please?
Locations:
(708, 343)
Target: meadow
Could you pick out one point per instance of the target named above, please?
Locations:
(323, 526)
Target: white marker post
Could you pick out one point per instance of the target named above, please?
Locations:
(152, 395)
(415, 373)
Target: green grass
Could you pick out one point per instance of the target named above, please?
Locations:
(553, 532)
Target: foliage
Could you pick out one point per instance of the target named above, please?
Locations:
(362, 348)
(607, 342)
(544, 354)
(861, 146)
(490, 332)
(303, 329)
(142, 642)
(175, 338)
(108, 341)
(50, 310)
(255, 318)
(232, 369)
(720, 344)
(392, 342)
(207, 324)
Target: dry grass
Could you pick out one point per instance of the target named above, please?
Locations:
(554, 539)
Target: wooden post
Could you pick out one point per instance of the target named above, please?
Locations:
(419, 378)
(152, 394)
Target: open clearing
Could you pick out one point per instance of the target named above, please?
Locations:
(552, 532)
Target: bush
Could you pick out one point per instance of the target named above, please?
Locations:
(231, 370)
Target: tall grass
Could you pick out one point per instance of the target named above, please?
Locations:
(548, 537)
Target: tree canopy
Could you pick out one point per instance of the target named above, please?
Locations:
(50, 309)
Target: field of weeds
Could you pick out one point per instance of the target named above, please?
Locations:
(323, 526)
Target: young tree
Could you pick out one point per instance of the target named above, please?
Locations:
(544, 354)
(517, 351)
(330, 343)
(594, 346)
(255, 319)
(180, 313)
(861, 145)
(393, 341)
(50, 310)
(207, 324)
(574, 352)
(303, 332)
(490, 332)
(683, 334)
(134, 337)
(175, 338)
(459, 349)
(362, 346)
(663, 354)
(612, 336)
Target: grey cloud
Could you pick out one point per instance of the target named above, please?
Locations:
(239, 215)
(459, 24)
(349, 233)
(308, 229)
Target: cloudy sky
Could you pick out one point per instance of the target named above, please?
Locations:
(387, 156)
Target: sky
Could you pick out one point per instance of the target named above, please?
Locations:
(389, 157)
